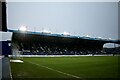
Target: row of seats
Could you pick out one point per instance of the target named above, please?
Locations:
(52, 49)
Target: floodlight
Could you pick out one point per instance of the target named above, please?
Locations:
(23, 28)
(46, 31)
(87, 36)
(66, 33)
(100, 37)
(109, 38)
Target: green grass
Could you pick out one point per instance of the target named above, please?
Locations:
(85, 67)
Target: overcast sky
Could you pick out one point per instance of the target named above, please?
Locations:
(97, 19)
(61, 0)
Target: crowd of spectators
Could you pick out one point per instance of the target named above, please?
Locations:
(52, 49)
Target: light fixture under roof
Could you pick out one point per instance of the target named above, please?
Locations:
(46, 31)
(100, 37)
(66, 33)
(23, 28)
(87, 36)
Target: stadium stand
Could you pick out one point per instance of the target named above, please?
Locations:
(30, 43)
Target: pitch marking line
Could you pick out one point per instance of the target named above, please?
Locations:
(55, 70)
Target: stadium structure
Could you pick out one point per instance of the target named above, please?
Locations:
(46, 43)
(42, 43)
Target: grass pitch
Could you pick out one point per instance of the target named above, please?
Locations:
(82, 67)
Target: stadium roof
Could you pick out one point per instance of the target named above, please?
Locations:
(66, 36)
